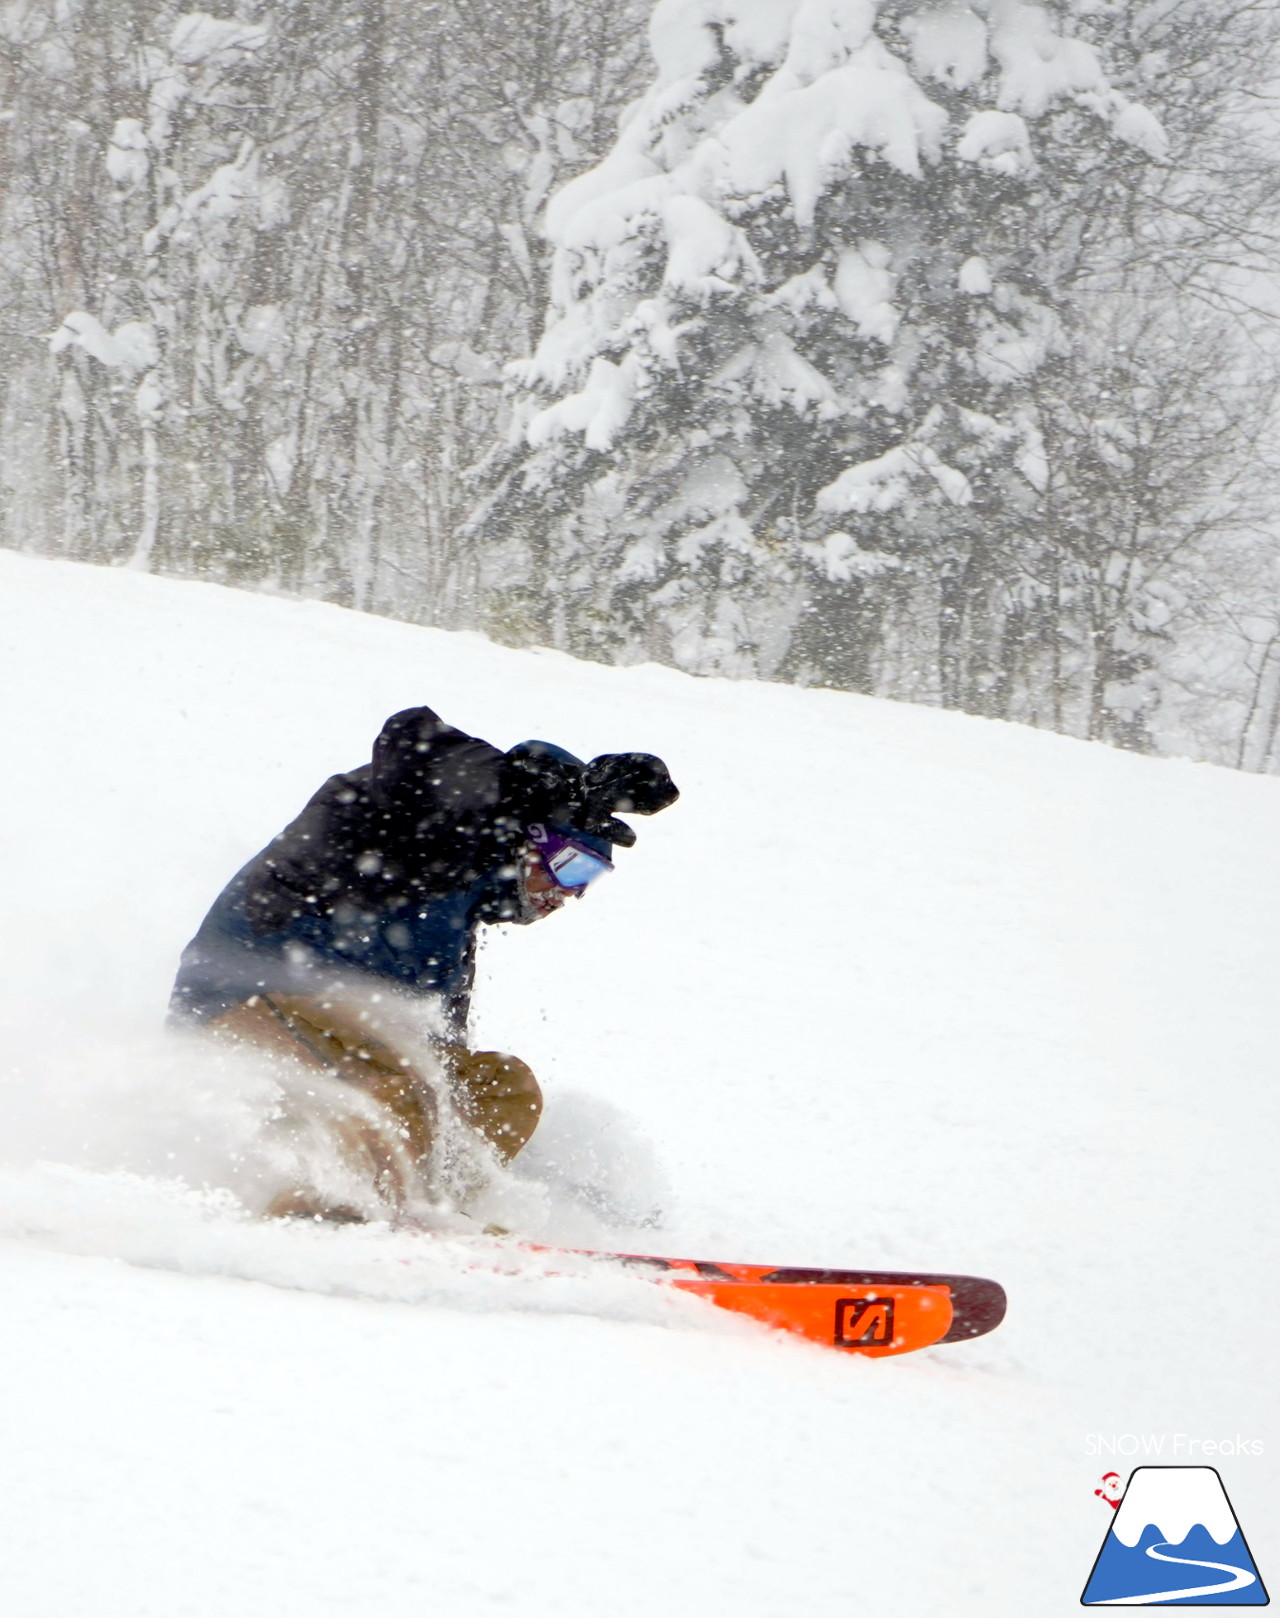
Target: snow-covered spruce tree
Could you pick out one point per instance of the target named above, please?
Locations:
(795, 316)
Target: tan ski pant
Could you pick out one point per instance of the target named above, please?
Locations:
(388, 1146)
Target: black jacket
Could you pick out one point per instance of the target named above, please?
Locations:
(390, 867)
(387, 871)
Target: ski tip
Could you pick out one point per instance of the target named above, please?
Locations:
(977, 1304)
(977, 1307)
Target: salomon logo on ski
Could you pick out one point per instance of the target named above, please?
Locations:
(864, 1322)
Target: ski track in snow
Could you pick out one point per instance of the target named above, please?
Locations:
(888, 987)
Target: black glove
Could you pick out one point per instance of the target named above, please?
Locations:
(627, 784)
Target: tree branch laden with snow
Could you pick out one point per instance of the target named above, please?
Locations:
(801, 264)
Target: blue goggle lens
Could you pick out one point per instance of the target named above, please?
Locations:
(575, 867)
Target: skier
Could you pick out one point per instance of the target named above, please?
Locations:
(380, 885)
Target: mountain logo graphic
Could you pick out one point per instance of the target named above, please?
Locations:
(1174, 1542)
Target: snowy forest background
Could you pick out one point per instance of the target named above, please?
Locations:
(920, 349)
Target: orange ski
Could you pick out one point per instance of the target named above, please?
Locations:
(877, 1312)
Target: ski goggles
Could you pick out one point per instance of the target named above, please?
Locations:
(569, 863)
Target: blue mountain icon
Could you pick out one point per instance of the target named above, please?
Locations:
(1174, 1542)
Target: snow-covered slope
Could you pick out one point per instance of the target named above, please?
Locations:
(888, 986)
